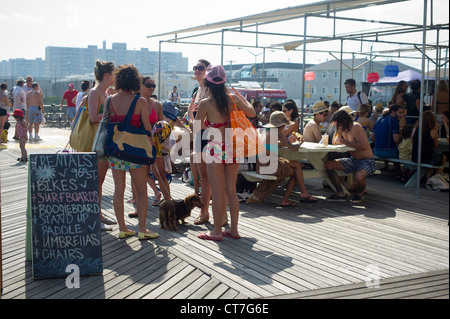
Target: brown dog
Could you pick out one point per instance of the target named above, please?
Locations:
(171, 212)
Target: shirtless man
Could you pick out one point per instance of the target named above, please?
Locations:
(35, 109)
(312, 133)
(361, 161)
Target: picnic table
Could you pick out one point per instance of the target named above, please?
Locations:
(313, 153)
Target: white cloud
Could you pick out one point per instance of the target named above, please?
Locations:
(20, 17)
(3, 17)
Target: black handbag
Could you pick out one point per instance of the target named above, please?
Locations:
(129, 143)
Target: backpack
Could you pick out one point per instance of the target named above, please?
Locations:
(360, 101)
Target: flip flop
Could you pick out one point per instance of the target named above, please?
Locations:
(308, 200)
(227, 234)
(292, 204)
(156, 202)
(205, 236)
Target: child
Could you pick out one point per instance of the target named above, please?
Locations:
(365, 111)
(405, 152)
(378, 114)
(22, 133)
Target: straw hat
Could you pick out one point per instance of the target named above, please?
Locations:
(379, 107)
(278, 119)
(319, 107)
(347, 109)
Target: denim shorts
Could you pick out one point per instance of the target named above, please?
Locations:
(34, 115)
(71, 111)
(352, 165)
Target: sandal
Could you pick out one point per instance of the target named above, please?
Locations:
(291, 204)
(205, 236)
(156, 202)
(108, 221)
(201, 220)
(145, 236)
(124, 234)
(229, 235)
(308, 200)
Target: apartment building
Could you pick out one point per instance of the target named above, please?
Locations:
(327, 83)
(63, 61)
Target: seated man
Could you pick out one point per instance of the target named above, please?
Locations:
(312, 133)
(386, 134)
(285, 168)
(360, 162)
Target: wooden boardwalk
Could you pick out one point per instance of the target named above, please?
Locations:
(326, 250)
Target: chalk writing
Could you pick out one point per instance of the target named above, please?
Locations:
(65, 214)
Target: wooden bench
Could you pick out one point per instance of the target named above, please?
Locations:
(413, 180)
(253, 176)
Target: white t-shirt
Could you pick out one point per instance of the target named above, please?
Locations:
(174, 97)
(78, 102)
(19, 93)
(354, 101)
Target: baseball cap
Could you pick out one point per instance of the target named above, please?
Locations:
(170, 111)
(216, 72)
(70, 85)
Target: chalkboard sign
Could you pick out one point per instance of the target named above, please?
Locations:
(65, 214)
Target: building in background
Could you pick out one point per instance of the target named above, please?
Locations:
(327, 82)
(22, 67)
(65, 62)
(62, 61)
(274, 75)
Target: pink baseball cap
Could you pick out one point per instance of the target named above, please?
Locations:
(216, 74)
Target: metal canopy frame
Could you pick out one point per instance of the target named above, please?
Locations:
(328, 10)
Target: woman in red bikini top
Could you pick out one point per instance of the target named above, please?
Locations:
(222, 178)
(200, 71)
(154, 107)
(128, 81)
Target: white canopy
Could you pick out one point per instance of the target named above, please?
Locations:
(407, 76)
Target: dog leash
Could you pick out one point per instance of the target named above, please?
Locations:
(160, 179)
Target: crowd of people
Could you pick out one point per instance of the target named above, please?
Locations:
(368, 130)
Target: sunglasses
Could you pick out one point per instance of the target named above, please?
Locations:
(149, 85)
(199, 68)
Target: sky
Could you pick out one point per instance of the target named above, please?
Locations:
(33, 25)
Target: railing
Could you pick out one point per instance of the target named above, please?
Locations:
(56, 116)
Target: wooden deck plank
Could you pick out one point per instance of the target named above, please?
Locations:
(303, 251)
(195, 286)
(391, 288)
